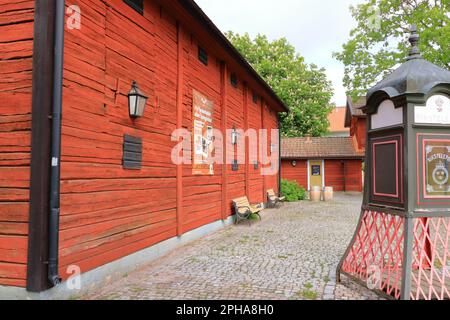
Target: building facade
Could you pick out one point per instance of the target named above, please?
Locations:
(355, 120)
(337, 127)
(115, 189)
(322, 162)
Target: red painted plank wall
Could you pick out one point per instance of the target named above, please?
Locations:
(344, 176)
(108, 212)
(202, 195)
(16, 46)
(270, 123)
(334, 174)
(299, 173)
(256, 183)
(358, 131)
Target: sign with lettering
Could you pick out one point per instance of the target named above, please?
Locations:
(315, 170)
(437, 111)
(437, 161)
(203, 111)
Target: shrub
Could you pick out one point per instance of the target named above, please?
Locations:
(292, 191)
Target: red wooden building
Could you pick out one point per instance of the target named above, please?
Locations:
(333, 161)
(114, 201)
(323, 162)
(355, 120)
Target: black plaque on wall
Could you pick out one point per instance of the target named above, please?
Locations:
(132, 152)
(386, 174)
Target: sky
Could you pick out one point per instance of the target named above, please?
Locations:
(316, 28)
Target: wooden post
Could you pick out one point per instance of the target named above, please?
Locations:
(180, 84)
(223, 95)
(246, 142)
(263, 143)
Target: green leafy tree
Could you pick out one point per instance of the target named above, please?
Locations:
(380, 42)
(304, 88)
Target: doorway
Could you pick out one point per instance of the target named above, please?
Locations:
(316, 174)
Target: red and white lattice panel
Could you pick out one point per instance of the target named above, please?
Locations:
(377, 252)
(430, 278)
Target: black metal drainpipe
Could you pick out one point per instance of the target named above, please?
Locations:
(53, 274)
(279, 155)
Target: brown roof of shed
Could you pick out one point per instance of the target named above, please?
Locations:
(319, 148)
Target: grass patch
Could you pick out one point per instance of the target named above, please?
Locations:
(112, 296)
(307, 292)
(136, 289)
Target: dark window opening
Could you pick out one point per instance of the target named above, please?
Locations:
(137, 5)
(234, 80)
(255, 98)
(203, 56)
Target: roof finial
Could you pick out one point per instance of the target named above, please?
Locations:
(414, 53)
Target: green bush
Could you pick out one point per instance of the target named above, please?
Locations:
(292, 191)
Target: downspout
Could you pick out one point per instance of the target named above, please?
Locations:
(279, 155)
(53, 274)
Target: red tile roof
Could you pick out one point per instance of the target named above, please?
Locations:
(319, 148)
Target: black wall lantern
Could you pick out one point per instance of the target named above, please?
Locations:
(137, 101)
(294, 163)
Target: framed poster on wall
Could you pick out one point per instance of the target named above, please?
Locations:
(433, 169)
(203, 135)
(387, 167)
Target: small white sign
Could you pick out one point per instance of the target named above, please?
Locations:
(55, 162)
(437, 111)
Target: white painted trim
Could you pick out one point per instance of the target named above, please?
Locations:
(309, 175)
(323, 174)
(387, 115)
(103, 275)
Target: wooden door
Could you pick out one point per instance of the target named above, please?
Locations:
(316, 174)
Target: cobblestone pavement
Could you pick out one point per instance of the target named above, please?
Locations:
(291, 254)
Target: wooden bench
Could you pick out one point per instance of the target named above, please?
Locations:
(244, 210)
(273, 199)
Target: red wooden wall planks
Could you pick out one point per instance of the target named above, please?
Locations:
(16, 45)
(108, 212)
(335, 171)
(299, 173)
(344, 175)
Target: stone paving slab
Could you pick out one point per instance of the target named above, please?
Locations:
(291, 254)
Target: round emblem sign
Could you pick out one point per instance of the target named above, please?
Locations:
(440, 174)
